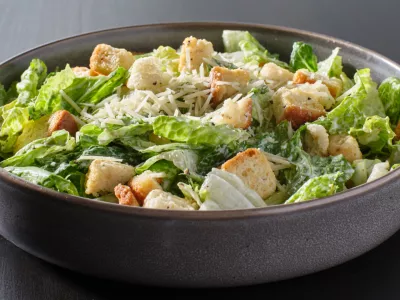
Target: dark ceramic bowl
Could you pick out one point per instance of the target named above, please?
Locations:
(197, 249)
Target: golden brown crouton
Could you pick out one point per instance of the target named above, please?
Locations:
(346, 145)
(297, 106)
(104, 175)
(143, 184)
(81, 71)
(125, 195)
(316, 140)
(226, 82)
(236, 114)
(333, 84)
(62, 119)
(106, 59)
(164, 200)
(192, 53)
(275, 76)
(253, 167)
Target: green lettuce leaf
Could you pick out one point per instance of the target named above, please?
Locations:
(389, 93)
(44, 178)
(261, 106)
(362, 170)
(347, 85)
(318, 187)
(169, 58)
(59, 141)
(12, 92)
(303, 57)
(14, 120)
(181, 129)
(332, 66)
(49, 99)
(31, 80)
(358, 103)
(376, 134)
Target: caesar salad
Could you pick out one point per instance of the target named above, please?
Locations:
(197, 129)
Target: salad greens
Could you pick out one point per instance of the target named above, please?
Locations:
(176, 145)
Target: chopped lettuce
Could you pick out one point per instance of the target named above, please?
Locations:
(169, 58)
(379, 170)
(362, 170)
(389, 93)
(223, 190)
(318, 187)
(358, 103)
(195, 132)
(376, 134)
(31, 80)
(59, 141)
(303, 57)
(44, 178)
(252, 49)
(261, 107)
(332, 66)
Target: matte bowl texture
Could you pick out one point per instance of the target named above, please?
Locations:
(198, 248)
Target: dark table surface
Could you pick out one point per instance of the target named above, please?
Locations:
(373, 24)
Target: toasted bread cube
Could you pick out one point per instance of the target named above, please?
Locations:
(316, 140)
(192, 53)
(298, 105)
(334, 85)
(164, 200)
(104, 175)
(346, 145)
(106, 59)
(81, 71)
(253, 167)
(146, 74)
(237, 114)
(60, 120)
(275, 76)
(125, 195)
(143, 184)
(226, 83)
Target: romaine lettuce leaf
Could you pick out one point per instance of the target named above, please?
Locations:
(303, 57)
(376, 134)
(389, 93)
(44, 178)
(31, 80)
(358, 103)
(253, 51)
(169, 58)
(59, 141)
(261, 107)
(181, 129)
(362, 170)
(332, 66)
(49, 98)
(223, 190)
(379, 170)
(318, 187)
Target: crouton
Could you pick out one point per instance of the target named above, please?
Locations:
(192, 53)
(334, 85)
(81, 71)
(143, 184)
(106, 59)
(62, 119)
(164, 200)
(253, 167)
(226, 82)
(298, 105)
(346, 145)
(125, 195)
(316, 140)
(146, 74)
(103, 176)
(275, 76)
(236, 114)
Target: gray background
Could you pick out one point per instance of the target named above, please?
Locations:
(372, 24)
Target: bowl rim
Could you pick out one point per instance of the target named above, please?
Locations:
(325, 202)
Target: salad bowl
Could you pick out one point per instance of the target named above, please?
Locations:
(197, 248)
